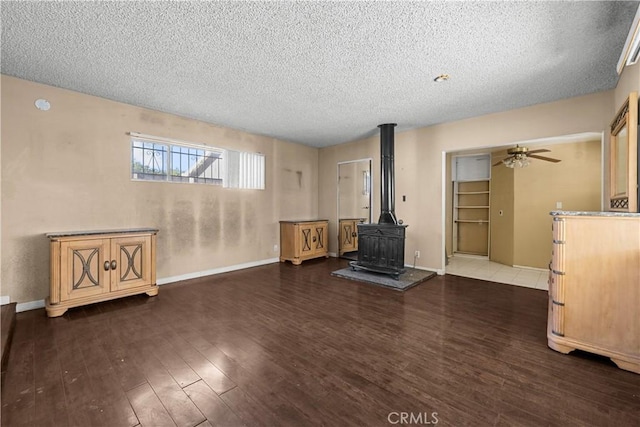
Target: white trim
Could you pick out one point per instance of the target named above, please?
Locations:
(443, 208)
(346, 162)
(602, 177)
(333, 255)
(631, 45)
(524, 267)
(220, 270)
(462, 255)
(438, 271)
(4, 300)
(31, 305)
(164, 140)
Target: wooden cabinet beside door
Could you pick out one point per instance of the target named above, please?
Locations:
(89, 267)
(303, 240)
(348, 235)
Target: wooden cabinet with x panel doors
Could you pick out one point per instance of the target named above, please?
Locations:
(303, 240)
(348, 234)
(93, 266)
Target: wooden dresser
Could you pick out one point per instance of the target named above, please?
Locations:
(594, 285)
(94, 266)
(303, 240)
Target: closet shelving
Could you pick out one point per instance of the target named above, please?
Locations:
(471, 217)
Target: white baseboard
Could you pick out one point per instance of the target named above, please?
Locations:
(195, 275)
(438, 271)
(333, 255)
(31, 305)
(4, 300)
(531, 268)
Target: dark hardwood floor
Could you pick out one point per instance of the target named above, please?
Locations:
(293, 346)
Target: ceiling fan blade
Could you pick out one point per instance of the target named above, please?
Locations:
(546, 159)
(541, 150)
(497, 163)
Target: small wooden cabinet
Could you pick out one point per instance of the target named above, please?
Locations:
(303, 240)
(348, 236)
(594, 286)
(94, 266)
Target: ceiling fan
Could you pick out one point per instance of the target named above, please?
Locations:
(519, 157)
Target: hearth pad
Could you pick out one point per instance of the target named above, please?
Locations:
(410, 278)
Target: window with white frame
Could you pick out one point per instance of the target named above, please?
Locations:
(245, 170)
(157, 159)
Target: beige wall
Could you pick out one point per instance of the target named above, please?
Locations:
(69, 169)
(575, 181)
(419, 161)
(502, 201)
(64, 170)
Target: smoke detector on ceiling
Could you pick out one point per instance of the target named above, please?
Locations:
(42, 104)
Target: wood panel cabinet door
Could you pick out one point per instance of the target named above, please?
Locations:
(84, 268)
(130, 262)
(307, 239)
(348, 236)
(319, 238)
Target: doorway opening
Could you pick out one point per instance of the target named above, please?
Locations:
(354, 204)
(519, 202)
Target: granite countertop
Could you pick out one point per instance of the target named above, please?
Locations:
(92, 232)
(586, 213)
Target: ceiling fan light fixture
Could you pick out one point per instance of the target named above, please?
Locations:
(517, 161)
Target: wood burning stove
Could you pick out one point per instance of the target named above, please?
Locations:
(381, 245)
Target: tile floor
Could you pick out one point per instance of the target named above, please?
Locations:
(482, 268)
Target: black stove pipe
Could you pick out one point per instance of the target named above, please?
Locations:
(387, 179)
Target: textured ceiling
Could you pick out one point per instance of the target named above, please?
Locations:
(319, 73)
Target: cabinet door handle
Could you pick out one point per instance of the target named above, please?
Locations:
(354, 234)
(106, 266)
(314, 238)
(113, 264)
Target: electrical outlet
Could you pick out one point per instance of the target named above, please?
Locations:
(417, 254)
(275, 248)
